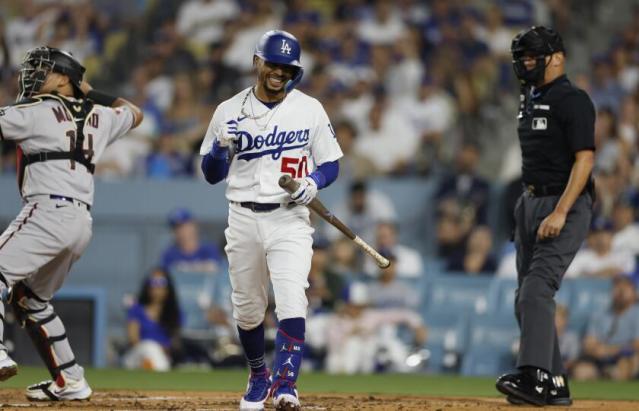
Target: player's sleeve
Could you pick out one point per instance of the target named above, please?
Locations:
(122, 121)
(212, 132)
(135, 313)
(324, 145)
(15, 123)
(579, 121)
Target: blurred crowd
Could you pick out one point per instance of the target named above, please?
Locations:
(406, 83)
(420, 90)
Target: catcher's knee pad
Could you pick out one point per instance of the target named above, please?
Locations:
(4, 286)
(4, 283)
(44, 328)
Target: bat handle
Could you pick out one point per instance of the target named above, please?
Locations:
(287, 183)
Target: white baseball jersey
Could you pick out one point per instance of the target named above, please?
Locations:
(45, 124)
(291, 138)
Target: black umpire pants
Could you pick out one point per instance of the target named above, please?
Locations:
(541, 265)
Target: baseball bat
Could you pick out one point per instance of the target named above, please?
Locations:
(290, 185)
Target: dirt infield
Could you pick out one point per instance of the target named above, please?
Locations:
(166, 400)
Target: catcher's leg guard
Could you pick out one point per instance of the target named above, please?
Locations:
(4, 285)
(8, 367)
(47, 333)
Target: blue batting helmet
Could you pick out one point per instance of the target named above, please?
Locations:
(281, 47)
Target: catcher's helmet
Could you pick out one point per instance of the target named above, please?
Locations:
(537, 42)
(281, 47)
(39, 62)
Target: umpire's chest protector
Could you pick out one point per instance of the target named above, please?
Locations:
(545, 145)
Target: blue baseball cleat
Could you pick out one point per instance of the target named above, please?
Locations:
(285, 396)
(257, 391)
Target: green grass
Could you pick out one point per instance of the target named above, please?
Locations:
(439, 386)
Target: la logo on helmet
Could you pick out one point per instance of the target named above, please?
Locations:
(285, 47)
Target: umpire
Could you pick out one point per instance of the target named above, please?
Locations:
(552, 216)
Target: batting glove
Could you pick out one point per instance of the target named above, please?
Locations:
(306, 192)
(228, 134)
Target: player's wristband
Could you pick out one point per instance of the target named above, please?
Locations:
(101, 98)
(325, 174)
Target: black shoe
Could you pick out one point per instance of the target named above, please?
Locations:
(530, 388)
(558, 393)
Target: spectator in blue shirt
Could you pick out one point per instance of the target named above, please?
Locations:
(188, 253)
(611, 345)
(153, 324)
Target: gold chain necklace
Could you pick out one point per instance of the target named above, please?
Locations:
(258, 117)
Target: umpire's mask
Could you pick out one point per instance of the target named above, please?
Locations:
(39, 62)
(536, 42)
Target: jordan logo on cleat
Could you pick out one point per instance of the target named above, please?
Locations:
(289, 361)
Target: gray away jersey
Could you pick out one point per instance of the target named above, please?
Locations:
(45, 125)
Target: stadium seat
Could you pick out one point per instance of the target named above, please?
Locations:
(578, 323)
(197, 291)
(565, 293)
(433, 266)
(447, 333)
(415, 283)
(435, 363)
(482, 361)
(501, 295)
(498, 331)
(490, 341)
(447, 328)
(589, 295)
(457, 293)
(192, 293)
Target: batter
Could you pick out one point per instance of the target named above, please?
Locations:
(254, 137)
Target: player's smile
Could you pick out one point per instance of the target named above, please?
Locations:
(275, 76)
(276, 81)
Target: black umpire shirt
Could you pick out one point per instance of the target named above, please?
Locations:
(555, 121)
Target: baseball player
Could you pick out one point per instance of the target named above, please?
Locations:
(61, 127)
(263, 132)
